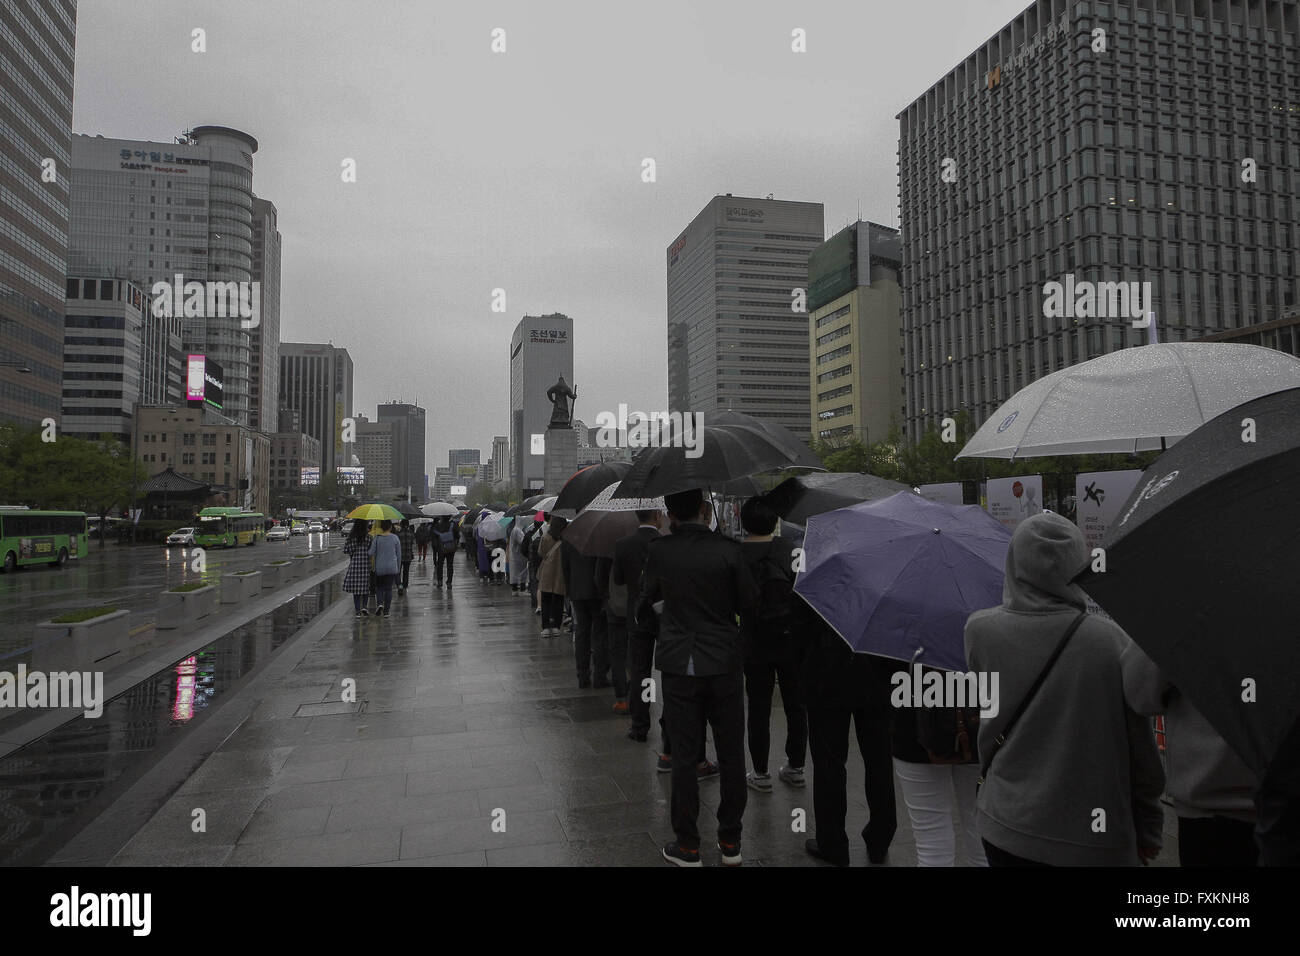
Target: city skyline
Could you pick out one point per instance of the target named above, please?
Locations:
(577, 231)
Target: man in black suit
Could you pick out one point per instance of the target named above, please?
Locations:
(702, 583)
(629, 560)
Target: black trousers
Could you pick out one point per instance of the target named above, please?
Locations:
(590, 641)
(1216, 841)
(761, 676)
(998, 857)
(640, 658)
(616, 637)
(690, 702)
(828, 737)
(439, 560)
(406, 574)
(552, 609)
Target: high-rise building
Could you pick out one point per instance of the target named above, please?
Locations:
(105, 358)
(441, 484)
(150, 212)
(462, 456)
(736, 277)
(295, 460)
(408, 444)
(316, 382)
(500, 460)
(378, 450)
(264, 338)
(1044, 162)
(36, 69)
(855, 339)
(541, 352)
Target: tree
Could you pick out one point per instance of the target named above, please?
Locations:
(480, 494)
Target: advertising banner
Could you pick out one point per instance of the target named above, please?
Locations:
(1098, 497)
(944, 492)
(1012, 500)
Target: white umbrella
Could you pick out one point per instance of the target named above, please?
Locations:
(1143, 398)
(437, 509)
(489, 526)
(605, 520)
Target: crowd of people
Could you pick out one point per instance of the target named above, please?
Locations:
(1078, 777)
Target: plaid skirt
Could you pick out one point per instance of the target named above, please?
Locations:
(357, 579)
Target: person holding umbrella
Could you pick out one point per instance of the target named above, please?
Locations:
(702, 584)
(1071, 773)
(357, 579)
(386, 549)
(550, 576)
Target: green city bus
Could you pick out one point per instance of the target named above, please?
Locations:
(228, 527)
(41, 537)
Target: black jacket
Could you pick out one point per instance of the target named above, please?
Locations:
(762, 642)
(704, 582)
(579, 574)
(629, 561)
(837, 677)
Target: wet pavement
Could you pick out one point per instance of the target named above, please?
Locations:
(129, 576)
(468, 744)
(54, 786)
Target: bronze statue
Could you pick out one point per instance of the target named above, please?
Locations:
(561, 412)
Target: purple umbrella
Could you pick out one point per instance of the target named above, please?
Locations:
(900, 575)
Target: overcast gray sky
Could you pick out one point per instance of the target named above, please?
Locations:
(519, 170)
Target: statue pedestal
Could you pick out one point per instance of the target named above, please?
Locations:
(561, 457)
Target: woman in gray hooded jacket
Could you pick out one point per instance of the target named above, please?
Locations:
(1077, 781)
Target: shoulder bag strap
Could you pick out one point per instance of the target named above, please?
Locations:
(1038, 682)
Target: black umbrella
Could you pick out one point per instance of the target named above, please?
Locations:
(1201, 569)
(730, 445)
(586, 484)
(798, 498)
(408, 509)
(526, 506)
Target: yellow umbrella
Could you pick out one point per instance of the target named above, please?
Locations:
(376, 512)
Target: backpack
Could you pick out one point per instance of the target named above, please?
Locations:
(773, 613)
(447, 542)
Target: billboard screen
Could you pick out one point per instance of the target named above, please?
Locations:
(204, 381)
(194, 378)
(310, 475)
(351, 474)
(458, 491)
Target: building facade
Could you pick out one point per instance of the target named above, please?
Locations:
(855, 337)
(105, 354)
(151, 212)
(541, 352)
(1043, 159)
(36, 71)
(737, 312)
(291, 453)
(264, 338)
(408, 445)
(379, 449)
(316, 382)
(201, 444)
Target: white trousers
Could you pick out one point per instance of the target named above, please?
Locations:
(939, 798)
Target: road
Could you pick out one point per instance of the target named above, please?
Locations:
(129, 576)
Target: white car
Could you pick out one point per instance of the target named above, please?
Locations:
(278, 533)
(298, 529)
(181, 536)
(315, 528)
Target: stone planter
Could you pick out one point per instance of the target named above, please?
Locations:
(183, 608)
(84, 645)
(306, 565)
(236, 588)
(273, 575)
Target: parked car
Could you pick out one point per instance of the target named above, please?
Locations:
(298, 529)
(278, 533)
(183, 536)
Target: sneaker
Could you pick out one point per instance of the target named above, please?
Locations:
(359, 613)
(836, 858)
(730, 853)
(620, 707)
(677, 856)
(762, 782)
(363, 613)
(792, 775)
(706, 769)
(665, 764)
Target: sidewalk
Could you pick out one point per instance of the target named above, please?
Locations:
(463, 717)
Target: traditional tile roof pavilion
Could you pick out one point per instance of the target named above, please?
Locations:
(171, 482)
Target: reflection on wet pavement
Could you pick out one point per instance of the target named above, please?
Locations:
(50, 788)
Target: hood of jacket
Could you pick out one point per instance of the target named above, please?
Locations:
(1047, 552)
